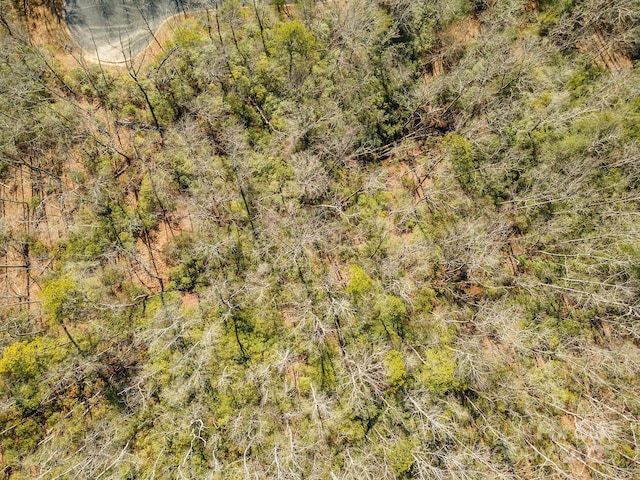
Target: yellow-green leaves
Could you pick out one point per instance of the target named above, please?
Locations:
(396, 371)
(61, 299)
(462, 157)
(438, 374)
(401, 457)
(391, 311)
(28, 358)
(293, 38)
(20, 360)
(359, 281)
(23, 363)
(297, 44)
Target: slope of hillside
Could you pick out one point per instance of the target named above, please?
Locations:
(360, 239)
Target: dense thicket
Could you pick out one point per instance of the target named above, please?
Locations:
(359, 239)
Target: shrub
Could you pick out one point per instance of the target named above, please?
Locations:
(22, 365)
(391, 311)
(61, 299)
(359, 281)
(438, 375)
(396, 371)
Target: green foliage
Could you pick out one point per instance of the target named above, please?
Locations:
(61, 299)
(398, 241)
(425, 300)
(630, 121)
(582, 80)
(392, 312)
(21, 360)
(189, 271)
(359, 282)
(438, 375)
(401, 457)
(463, 160)
(22, 367)
(150, 207)
(550, 12)
(293, 39)
(396, 371)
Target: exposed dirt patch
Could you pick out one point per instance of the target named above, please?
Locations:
(190, 300)
(463, 31)
(603, 53)
(449, 46)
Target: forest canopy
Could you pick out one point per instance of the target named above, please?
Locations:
(381, 239)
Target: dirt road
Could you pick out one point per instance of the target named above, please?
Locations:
(115, 31)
